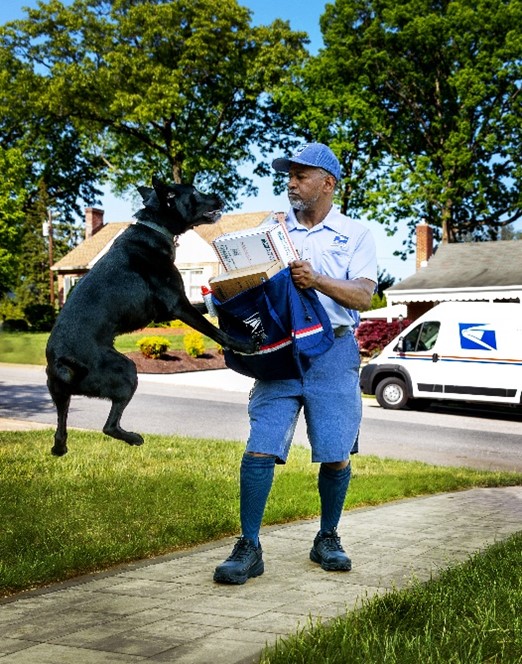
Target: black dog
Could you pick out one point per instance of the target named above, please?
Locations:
(135, 283)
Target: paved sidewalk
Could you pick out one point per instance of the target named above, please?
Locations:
(169, 610)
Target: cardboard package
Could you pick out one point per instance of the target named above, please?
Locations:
(226, 285)
(266, 243)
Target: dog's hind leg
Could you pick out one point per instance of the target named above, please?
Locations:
(112, 425)
(123, 385)
(61, 402)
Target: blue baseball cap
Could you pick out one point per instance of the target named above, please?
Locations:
(317, 155)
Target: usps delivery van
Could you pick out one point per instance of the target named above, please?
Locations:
(457, 351)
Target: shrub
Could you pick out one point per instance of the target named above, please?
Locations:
(153, 347)
(174, 324)
(9, 307)
(194, 344)
(153, 324)
(373, 335)
(40, 317)
(179, 325)
(15, 325)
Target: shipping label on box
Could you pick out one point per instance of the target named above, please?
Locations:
(266, 243)
(229, 284)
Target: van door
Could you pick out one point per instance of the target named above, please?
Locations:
(479, 371)
(418, 352)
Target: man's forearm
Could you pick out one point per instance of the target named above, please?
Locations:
(353, 294)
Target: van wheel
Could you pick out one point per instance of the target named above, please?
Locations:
(391, 393)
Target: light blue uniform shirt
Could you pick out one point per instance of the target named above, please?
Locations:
(340, 248)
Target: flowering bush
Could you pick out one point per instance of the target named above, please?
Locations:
(194, 344)
(373, 335)
(153, 347)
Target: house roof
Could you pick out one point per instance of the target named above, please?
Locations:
(465, 268)
(87, 252)
(230, 223)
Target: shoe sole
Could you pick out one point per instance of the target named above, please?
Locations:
(330, 567)
(238, 580)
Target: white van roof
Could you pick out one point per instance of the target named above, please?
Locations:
(452, 310)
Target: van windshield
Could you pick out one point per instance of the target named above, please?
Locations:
(423, 337)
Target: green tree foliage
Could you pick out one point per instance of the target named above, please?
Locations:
(384, 281)
(12, 200)
(122, 89)
(421, 100)
(37, 150)
(53, 151)
(178, 88)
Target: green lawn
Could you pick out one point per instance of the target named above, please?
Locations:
(471, 614)
(106, 503)
(29, 347)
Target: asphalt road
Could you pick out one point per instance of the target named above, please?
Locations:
(475, 437)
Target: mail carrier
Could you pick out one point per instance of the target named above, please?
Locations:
(457, 351)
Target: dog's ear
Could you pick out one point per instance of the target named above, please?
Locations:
(150, 198)
(164, 193)
(145, 192)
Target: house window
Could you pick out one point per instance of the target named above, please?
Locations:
(192, 282)
(68, 284)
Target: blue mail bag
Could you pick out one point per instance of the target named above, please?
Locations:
(291, 326)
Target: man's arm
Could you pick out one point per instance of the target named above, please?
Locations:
(353, 294)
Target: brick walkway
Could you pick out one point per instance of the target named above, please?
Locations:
(169, 610)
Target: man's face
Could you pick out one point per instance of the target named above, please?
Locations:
(306, 186)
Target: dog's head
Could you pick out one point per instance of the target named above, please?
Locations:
(178, 207)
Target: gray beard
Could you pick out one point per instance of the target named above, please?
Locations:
(298, 203)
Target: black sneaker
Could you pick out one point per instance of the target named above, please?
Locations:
(328, 552)
(245, 561)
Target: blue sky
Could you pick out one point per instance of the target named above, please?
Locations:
(302, 15)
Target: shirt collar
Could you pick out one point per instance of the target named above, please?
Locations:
(334, 220)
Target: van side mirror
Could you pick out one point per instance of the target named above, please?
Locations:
(400, 345)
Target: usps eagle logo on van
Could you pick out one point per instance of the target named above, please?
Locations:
(477, 336)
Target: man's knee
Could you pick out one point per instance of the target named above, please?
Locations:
(338, 465)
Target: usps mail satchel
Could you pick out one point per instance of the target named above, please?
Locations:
(291, 326)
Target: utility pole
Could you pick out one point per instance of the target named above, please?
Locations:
(47, 229)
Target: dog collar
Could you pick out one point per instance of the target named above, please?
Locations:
(158, 228)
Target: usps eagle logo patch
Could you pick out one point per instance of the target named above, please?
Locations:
(340, 241)
(301, 148)
(477, 336)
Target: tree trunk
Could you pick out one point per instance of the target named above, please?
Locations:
(447, 230)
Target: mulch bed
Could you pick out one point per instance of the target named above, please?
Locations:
(177, 362)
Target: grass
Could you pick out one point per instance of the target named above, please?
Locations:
(469, 615)
(106, 503)
(29, 347)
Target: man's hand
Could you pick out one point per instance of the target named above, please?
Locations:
(303, 274)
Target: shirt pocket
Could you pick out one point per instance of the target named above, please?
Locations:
(335, 262)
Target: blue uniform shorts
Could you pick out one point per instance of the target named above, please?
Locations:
(330, 397)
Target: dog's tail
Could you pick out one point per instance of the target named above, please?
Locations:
(69, 370)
